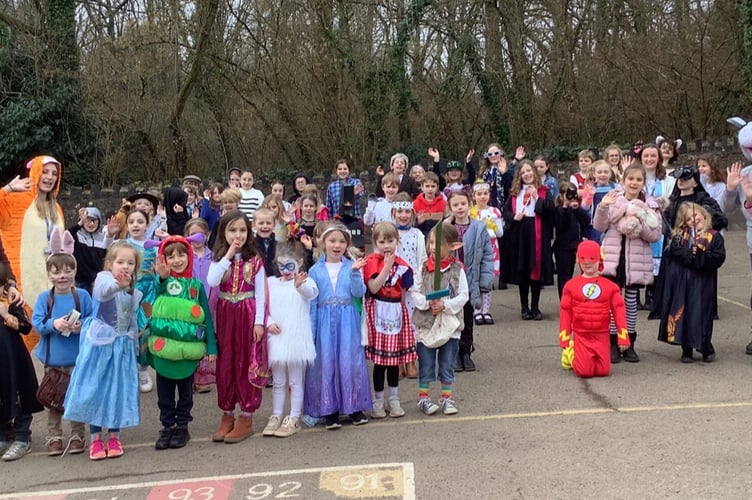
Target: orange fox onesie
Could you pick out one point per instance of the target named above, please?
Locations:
(25, 235)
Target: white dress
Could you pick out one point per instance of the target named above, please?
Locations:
(412, 249)
(290, 308)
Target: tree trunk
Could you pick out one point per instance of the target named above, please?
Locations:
(207, 9)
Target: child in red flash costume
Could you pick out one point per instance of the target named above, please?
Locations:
(587, 303)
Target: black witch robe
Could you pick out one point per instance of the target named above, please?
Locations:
(687, 305)
(18, 380)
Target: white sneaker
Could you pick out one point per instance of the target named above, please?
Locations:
(290, 425)
(18, 449)
(272, 426)
(395, 408)
(144, 379)
(447, 405)
(427, 406)
(378, 409)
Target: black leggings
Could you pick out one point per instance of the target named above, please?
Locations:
(392, 377)
(525, 285)
(565, 260)
(466, 336)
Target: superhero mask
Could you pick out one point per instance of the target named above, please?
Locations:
(590, 251)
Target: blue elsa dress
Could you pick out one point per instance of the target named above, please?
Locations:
(103, 389)
(338, 380)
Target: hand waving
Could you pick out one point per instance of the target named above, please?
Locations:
(733, 176)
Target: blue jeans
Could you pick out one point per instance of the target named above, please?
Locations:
(427, 362)
(21, 428)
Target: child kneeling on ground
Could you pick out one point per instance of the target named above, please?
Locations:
(588, 301)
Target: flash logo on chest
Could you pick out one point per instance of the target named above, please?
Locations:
(591, 291)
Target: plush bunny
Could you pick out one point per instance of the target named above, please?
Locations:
(637, 216)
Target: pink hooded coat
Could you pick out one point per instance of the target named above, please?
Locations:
(638, 256)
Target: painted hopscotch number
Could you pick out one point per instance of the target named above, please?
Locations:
(366, 482)
(265, 490)
(383, 481)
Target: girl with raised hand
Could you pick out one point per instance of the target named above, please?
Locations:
(529, 218)
(242, 366)
(103, 390)
(290, 337)
(337, 382)
(391, 341)
(630, 221)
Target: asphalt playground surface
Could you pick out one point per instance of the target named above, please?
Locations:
(526, 429)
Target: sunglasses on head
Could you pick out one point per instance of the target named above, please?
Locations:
(490, 154)
(684, 173)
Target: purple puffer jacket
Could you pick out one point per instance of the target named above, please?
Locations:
(639, 258)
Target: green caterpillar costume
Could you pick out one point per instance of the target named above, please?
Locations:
(181, 331)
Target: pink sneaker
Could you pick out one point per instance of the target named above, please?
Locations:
(114, 448)
(97, 450)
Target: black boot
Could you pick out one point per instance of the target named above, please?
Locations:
(640, 305)
(535, 312)
(467, 362)
(615, 352)
(163, 441)
(686, 356)
(180, 437)
(458, 366)
(630, 355)
(525, 312)
(649, 292)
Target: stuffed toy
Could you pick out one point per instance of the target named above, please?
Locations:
(635, 218)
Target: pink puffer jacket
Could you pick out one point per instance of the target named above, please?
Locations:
(638, 256)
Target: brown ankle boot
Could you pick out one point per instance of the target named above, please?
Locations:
(242, 430)
(412, 370)
(225, 427)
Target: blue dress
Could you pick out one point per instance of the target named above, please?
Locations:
(338, 380)
(146, 282)
(103, 389)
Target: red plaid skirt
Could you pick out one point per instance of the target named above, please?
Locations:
(389, 349)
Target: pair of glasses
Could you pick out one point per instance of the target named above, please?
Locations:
(289, 267)
(491, 154)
